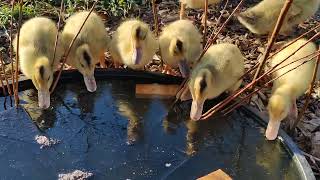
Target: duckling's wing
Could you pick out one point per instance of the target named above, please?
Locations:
(294, 13)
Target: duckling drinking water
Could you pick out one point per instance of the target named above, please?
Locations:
(180, 45)
(290, 86)
(89, 47)
(262, 18)
(133, 44)
(219, 70)
(36, 51)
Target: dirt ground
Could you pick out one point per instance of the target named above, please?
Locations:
(307, 134)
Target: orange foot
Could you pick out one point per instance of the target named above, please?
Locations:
(102, 61)
(168, 70)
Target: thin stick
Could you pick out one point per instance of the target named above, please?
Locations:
(240, 102)
(16, 87)
(65, 56)
(155, 17)
(182, 10)
(221, 14)
(11, 50)
(57, 36)
(274, 35)
(205, 17)
(315, 70)
(237, 93)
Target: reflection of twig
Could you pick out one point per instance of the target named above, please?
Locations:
(272, 39)
(66, 54)
(315, 70)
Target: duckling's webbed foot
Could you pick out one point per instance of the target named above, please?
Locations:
(203, 20)
(168, 70)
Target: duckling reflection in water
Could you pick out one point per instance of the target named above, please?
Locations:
(43, 118)
(122, 92)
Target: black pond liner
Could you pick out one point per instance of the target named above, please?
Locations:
(115, 135)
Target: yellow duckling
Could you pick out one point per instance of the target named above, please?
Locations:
(180, 45)
(289, 87)
(133, 44)
(262, 18)
(218, 71)
(89, 47)
(36, 51)
(195, 4)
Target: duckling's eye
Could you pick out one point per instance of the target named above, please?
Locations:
(49, 78)
(82, 65)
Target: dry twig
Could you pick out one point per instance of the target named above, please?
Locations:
(16, 86)
(155, 17)
(205, 17)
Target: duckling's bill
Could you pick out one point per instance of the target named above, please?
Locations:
(90, 82)
(137, 55)
(196, 110)
(184, 68)
(44, 99)
(272, 129)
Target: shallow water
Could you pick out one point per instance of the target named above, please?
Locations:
(115, 135)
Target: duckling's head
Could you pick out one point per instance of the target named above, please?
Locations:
(279, 108)
(253, 21)
(177, 52)
(42, 79)
(85, 64)
(199, 87)
(139, 34)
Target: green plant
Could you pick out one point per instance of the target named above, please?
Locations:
(5, 13)
(120, 7)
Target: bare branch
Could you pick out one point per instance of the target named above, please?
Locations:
(16, 87)
(205, 17)
(155, 17)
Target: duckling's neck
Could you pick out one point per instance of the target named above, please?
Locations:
(286, 90)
